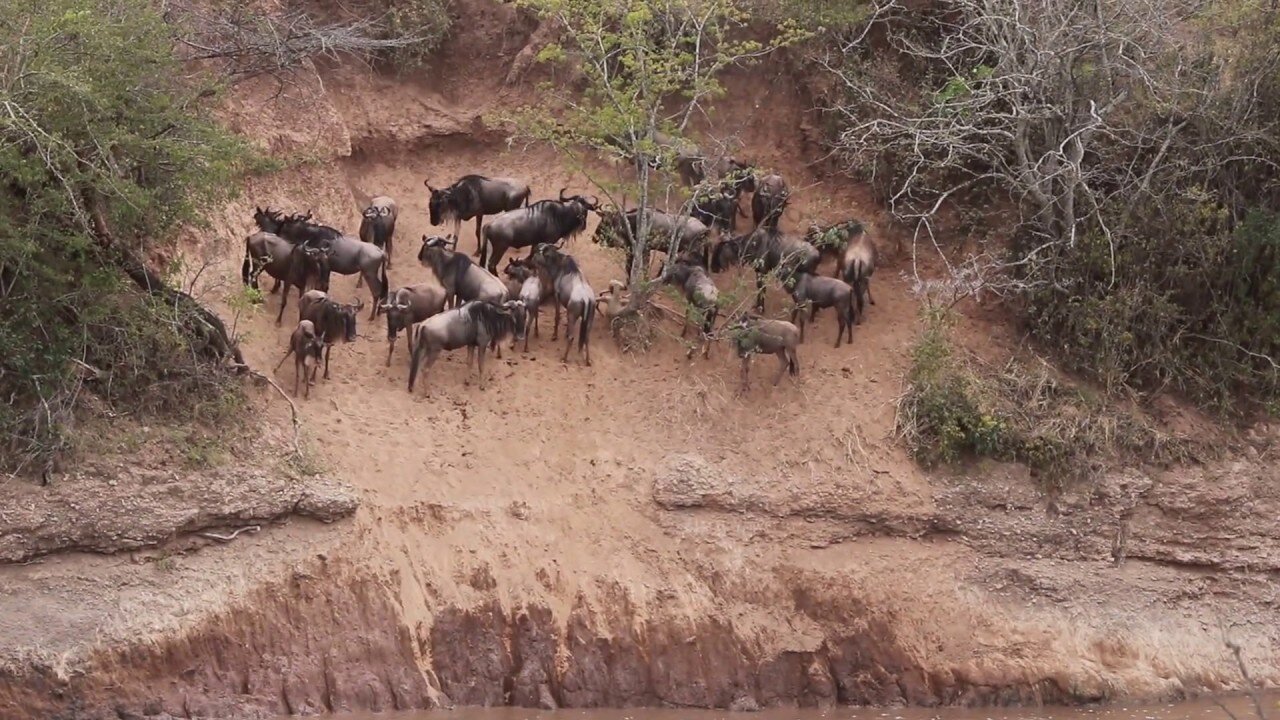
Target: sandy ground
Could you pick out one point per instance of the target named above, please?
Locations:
(634, 532)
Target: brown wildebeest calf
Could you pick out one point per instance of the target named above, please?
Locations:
(753, 335)
(305, 345)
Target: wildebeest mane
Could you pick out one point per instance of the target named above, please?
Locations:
(496, 320)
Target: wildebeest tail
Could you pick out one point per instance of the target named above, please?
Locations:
(246, 269)
(793, 365)
(585, 326)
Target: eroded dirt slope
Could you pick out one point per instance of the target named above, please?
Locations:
(631, 533)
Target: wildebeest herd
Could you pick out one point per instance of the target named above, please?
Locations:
(470, 306)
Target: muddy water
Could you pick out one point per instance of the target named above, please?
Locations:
(1200, 709)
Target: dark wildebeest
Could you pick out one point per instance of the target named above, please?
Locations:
(463, 280)
(573, 292)
(701, 295)
(856, 267)
(694, 168)
(814, 292)
(546, 221)
(689, 234)
(831, 240)
(408, 306)
(753, 335)
(378, 224)
(769, 200)
(306, 346)
(534, 291)
(334, 321)
(767, 251)
(290, 265)
(717, 208)
(476, 326)
(474, 196)
(342, 254)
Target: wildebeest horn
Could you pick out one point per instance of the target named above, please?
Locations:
(427, 182)
(452, 240)
(358, 304)
(594, 203)
(562, 197)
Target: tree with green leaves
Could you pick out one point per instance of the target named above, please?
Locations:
(647, 68)
(105, 149)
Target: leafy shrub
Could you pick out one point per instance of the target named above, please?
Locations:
(426, 21)
(101, 131)
(956, 408)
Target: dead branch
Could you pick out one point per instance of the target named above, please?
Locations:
(232, 536)
(247, 44)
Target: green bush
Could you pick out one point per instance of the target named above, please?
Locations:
(1197, 312)
(956, 408)
(103, 133)
(426, 21)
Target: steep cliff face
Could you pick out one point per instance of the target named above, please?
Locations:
(633, 533)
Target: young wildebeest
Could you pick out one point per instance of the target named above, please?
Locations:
(546, 221)
(573, 292)
(769, 200)
(334, 322)
(665, 230)
(767, 251)
(462, 279)
(378, 224)
(474, 196)
(476, 326)
(759, 336)
(856, 266)
(814, 292)
(408, 306)
(306, 348)
(701, 294)
(534, 291)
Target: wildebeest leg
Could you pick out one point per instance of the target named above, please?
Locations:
(480, 367)
(479, 239)
(760, 291)
(746, 371)
(471, 356)
(783, 365)
(555, 326)
(328, 348)
(797, 318)
(391, 347)
(568, 335)
(866, 284)
(284, 300)
(495, 256)
(276, 288)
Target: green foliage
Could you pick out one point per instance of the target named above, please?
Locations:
(1198, 313)
(94, 106)
(646, 67)
(425, 21)
(957, 408)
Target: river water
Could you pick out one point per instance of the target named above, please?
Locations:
(1199, 709)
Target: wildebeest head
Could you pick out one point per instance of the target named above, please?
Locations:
(610, 232)
(741, 175)
(453, 202)
(517, 270)
(268, 220)
(519, 313)
(726, 254)
(348, 314)
(398, 312)
(373, 212)
(317, 264)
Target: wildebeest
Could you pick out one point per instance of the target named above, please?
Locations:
(687, 233)
(334, 322)
(769, 200)
(767, 251)
(546, 221)
(474, 196)
(814, 292)
(406, 306)
(305, 346)
(475, 326)
(378, 224)
(342, 254)
(753, 335)
(573, 292)
(717, 208)
(694, 167)
(290, 265)
(856, 267)
(534, 290)
(268, 220)
(462, 279)
(701, 294)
